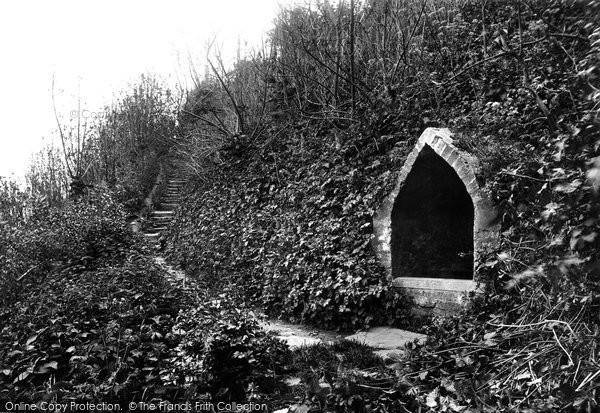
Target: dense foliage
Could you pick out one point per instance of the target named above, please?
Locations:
(293, 151)
(80, 235)
(133, 139)
(75, 292)
(294, 235)
(285, 212)
(93, 319)
(121, 147)
(224, 353)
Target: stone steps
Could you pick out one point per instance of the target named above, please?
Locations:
(167, 204)
(161, 213)
(157, 228)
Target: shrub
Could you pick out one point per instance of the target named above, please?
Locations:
(85, 233)
(101, 335)
(224, 352)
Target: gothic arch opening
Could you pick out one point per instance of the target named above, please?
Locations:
(432, 222)
(432, 230)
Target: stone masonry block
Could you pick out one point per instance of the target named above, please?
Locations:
(447, 152)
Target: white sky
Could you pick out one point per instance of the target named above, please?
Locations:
(102, 45)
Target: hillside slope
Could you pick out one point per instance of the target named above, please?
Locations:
(282, 209)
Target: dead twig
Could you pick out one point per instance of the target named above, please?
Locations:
(26, 273)
(533, 324)
(531, 177)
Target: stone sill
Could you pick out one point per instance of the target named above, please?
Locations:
(438, 284)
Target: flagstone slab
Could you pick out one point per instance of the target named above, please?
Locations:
(386, 338)
(296, 335)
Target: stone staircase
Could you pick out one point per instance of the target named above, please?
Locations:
(160, 218)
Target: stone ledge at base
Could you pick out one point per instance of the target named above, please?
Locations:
(438, 296)
(444, 284)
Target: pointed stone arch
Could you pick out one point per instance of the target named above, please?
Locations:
(436, 210)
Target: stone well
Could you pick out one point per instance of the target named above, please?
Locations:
(432, 228)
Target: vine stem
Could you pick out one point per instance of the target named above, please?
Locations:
(533, 324)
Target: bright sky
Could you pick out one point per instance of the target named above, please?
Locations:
(103, 45)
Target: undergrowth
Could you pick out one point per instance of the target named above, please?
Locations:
(94, 320)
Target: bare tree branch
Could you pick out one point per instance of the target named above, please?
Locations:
(60, 131)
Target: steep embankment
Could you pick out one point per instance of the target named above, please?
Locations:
(286, 216)
(292, 229)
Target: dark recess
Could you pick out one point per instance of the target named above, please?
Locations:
(432, 222)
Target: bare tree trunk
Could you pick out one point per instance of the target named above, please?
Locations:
(339, 52)
(484, 30)
(60, 131)
(352, 74)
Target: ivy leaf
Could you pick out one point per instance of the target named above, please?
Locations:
(21, 377)
(550, 210)
(568, 188)
(488, 339)
(31, 339)
(430, 400)
(593, 175)
(46, 367)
